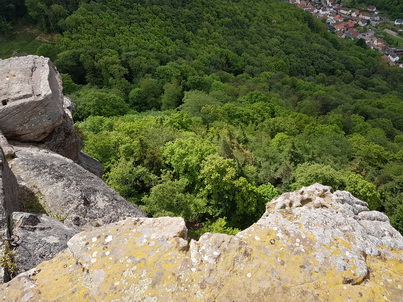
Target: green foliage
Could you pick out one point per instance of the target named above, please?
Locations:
(69, 86)
(308, 173)
(24, 42)
(130, 180)
(194, 101)
(146, 96)
(257, 96)
(362, 189)
(218, 226)
(95, 102)
(185, 156)
(170, 199)
(268, 192)
(396, 219)
(50, 14)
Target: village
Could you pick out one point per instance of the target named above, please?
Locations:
(354, 24)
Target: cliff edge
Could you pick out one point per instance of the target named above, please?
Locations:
(49, 189)
(310, 245)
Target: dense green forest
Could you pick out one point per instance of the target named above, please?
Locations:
(209, 109)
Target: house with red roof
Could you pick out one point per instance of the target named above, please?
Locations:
(338, 18)
(339, 26)
(355, 13)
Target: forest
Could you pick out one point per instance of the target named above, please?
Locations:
(210, 109)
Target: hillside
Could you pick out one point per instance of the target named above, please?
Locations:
(208, 109)
(66, 236)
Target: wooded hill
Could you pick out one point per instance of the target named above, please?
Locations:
(209, 109)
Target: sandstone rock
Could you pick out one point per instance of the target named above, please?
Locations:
(8, 204)
(90, 164)
(7, 148)
(31, 102)
(33, 108)
(67, 191)
(64, 140)
(317, 250)
(37, 238)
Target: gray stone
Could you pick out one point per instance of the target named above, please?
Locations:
(8, 204)
(315, 196)
(64, 140)
(67, 191)
(341, 219)
(302, 253)
(31, 101)
(37, 238)
(90, 164)
(7, 148)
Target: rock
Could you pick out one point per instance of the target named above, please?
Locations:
(33, 108)
(8, 204)
(64, 140)
(317, 250)
(8, 150)
(67, 191)
(90, 164)
(37, 238)
(31, 101)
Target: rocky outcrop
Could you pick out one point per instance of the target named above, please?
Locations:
(31, 98)
(40, 144)
(310, 245)
(90, 164)
(63, 139)
(8, 204)
(8, 150)
(33, 109)
(67, 191)
(36, 238)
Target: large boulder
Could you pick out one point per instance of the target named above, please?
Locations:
(31, 100)
(64, 139)
(8, 204)
(67, 191)
(310, 245)
(33, 109)
(36, 238)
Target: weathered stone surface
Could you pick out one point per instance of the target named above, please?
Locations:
(37, 238)
(314, 249)
(64, 139)
(31, 101)
(90, 164)
(7, 148)
(67, 191)
(8, 204)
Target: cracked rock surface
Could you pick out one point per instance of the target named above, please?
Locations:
(36, 238)
(8, 204)
(67, 191)
(31, 101)
(310, 245)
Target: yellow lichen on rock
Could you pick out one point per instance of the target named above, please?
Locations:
(308, 254)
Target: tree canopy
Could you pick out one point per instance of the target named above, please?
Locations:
(209, 109)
